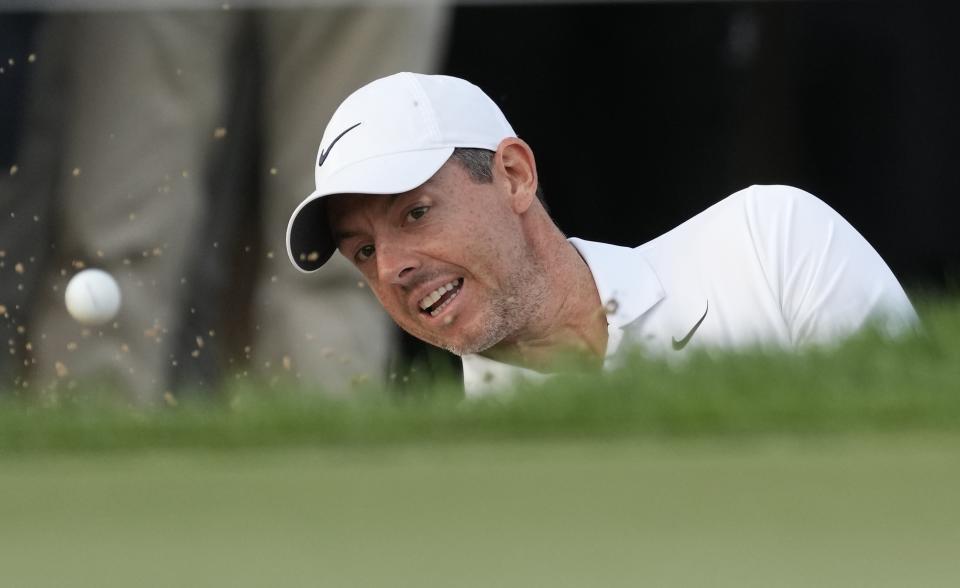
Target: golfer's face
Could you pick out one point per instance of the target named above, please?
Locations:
(436, 257)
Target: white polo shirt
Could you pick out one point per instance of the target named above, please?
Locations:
(769, 265)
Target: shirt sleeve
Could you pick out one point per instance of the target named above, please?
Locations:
(829, 281)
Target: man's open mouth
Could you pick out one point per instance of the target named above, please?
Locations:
(434, 302)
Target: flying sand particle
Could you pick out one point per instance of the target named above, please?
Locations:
(611, 306)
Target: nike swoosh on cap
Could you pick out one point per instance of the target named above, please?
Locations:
(326, 152)
(678, 345)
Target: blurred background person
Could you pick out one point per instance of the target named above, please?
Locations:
(185, 146)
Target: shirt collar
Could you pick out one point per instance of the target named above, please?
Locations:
(627, 284)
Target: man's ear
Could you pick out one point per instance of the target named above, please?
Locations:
(515, 166)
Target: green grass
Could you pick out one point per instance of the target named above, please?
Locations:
(827, 468)
(869, 384)
(874, 512)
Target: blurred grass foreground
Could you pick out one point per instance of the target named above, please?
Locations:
(867, 384)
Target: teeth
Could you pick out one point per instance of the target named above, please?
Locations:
(436, 311)
(432, 297)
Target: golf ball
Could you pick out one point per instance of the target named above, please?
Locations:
(92, 297)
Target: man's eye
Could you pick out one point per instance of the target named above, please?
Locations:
(418, 212)
(364, 253)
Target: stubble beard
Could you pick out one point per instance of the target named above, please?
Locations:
(519, 303)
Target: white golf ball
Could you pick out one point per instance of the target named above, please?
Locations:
(93, 297)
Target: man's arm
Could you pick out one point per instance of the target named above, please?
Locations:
(829, 280)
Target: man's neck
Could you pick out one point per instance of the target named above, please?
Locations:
(571, 330)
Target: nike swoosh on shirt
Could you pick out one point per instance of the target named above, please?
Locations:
(678, 345)
(326, 152)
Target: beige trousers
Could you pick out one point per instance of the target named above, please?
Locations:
(149, 92)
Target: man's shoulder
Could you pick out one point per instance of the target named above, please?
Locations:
(737, 244)
(760, 199)
(755, 208)
(780, 199)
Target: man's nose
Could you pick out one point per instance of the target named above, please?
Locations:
(396, 264)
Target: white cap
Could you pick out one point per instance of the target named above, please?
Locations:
(389, 137)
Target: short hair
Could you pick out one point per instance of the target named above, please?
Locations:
(479, 164)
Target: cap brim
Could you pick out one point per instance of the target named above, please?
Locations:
(309, 241)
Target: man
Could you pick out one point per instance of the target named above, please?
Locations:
(423, 185)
